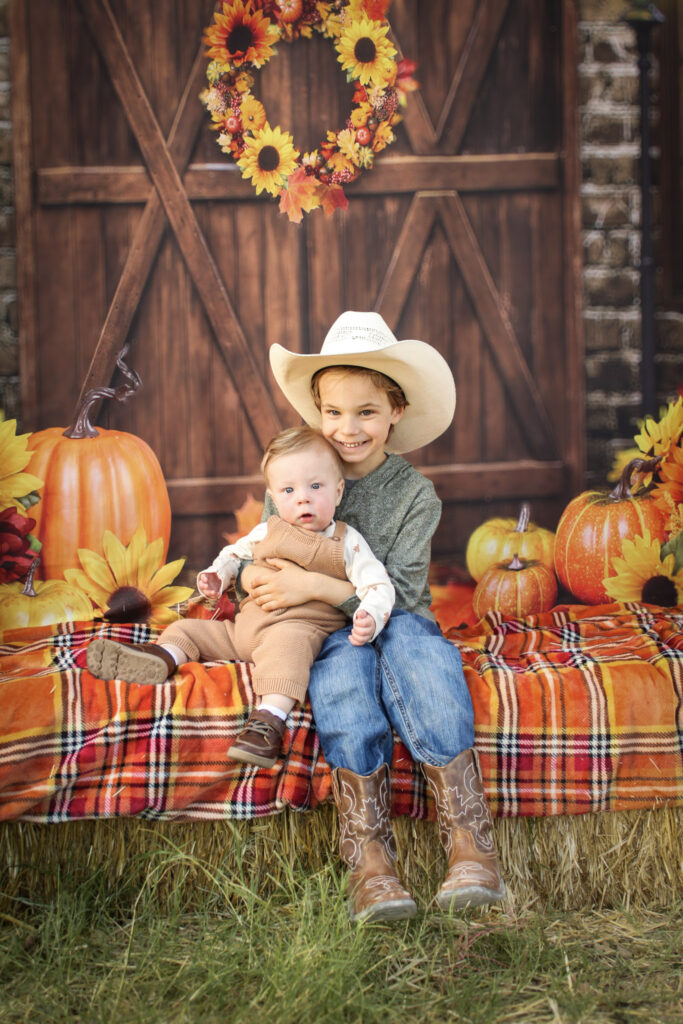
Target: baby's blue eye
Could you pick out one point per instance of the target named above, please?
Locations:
(315, 486)
(288, 490)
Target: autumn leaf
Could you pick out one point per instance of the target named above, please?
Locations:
(299, 196)
(332, 198)
(248, 516)
(376, 9)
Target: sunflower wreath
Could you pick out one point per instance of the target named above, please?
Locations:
(242, 38)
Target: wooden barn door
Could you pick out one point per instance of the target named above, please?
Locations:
(132, 226)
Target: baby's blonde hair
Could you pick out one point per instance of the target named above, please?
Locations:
(296, 439)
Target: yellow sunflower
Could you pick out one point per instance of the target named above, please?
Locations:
(253, 114)
(14, 458)
(268, 159)
(668, 491)
(366, 53)
(241, 36)
(130, 584)
(659, 437)
(642, 574)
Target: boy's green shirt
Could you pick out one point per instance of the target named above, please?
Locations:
(397, 510)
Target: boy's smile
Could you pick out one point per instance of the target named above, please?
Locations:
(356, 418)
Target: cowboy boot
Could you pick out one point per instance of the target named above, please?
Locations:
(367, 846)
(473, 876)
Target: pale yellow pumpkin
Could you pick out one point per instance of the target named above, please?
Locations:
(41, 603)
(497, 540)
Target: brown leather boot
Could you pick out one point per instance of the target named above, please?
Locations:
(367, 846)
(134, 663)
(473, 876)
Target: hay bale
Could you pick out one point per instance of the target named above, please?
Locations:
(630, 858)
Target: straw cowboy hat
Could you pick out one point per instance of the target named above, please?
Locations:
(363, 339)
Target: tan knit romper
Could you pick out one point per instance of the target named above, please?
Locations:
(284, 644)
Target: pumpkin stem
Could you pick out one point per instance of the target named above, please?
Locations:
(623, 487)
(81, 425)
(516, 562)
(524, 516)
(29, 590)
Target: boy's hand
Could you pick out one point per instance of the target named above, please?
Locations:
(209, 584)
(363, 628)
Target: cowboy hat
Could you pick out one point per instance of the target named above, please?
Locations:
(363, 339)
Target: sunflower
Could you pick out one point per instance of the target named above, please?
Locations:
(660, 437)
(14, 458)
(668, 491)
(130, 584)
(642, 574)
(268, 159)
(366, 53)
(241, 36)
(253, 114)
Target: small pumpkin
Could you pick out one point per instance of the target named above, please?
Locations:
(497, 540)
(593, 527)
(42, 603)
(95, 480)
(516, 588)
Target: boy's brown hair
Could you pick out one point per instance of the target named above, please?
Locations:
(395, 394)
(295, 439)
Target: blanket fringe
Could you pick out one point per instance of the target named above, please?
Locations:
(620, 859)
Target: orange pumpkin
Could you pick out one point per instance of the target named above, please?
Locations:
(95, 480)
(593, 526)
(516, 588)
(497, 540)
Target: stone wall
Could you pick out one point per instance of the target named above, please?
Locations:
(610, 199)
(610, 196)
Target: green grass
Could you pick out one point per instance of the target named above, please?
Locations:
(287, 955)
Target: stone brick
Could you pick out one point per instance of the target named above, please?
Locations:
(601, 419)
(4, 66)
(608, 129)
(612, 374)
(612, 169)
(608, 249)
(669, 377)
(9, 353)
(5, 104)
(669, 331)
(10, 399)
(601, 334)
(5, 145)
(8, 270)
(628, 414)
(7, 228)
(607, 210)
(614, 288)
(4, 17)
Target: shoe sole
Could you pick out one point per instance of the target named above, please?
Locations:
(392, 910)
(108, 659)
(472, 896)
(246, 757)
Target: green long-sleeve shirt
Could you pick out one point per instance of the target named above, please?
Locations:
(397, 510)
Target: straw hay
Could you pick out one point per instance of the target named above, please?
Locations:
(632, 858)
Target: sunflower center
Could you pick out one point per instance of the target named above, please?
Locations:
(128, 604)
(268, 158)
(660, 590)
(365, 50)
(239, 40)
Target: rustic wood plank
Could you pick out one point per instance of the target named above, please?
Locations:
(258, 405)
(145, 244)
(405, 259)
(522, 391)
(23, 205)
(502, 172)
(465, 483)
(470, 72)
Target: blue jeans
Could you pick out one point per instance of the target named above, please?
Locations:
(410, 678)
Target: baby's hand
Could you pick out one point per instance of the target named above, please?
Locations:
(209, 584)
(363, 628)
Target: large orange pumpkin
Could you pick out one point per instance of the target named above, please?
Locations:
(593, 526)
(516, 588)
(497, 540)
(95, 480)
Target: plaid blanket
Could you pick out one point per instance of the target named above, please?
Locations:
(579, 709)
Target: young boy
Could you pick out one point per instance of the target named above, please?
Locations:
(374, 397)
(303, 475)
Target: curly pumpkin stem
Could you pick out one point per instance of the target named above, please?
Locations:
(29, 590)
(524, 516)
(81, 425)
(623, 487)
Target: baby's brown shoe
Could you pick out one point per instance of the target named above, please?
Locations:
(260, 740)
(133, 663)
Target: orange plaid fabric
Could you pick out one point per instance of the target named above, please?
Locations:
(579, 709)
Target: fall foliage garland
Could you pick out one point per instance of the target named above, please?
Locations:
(242, 38)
